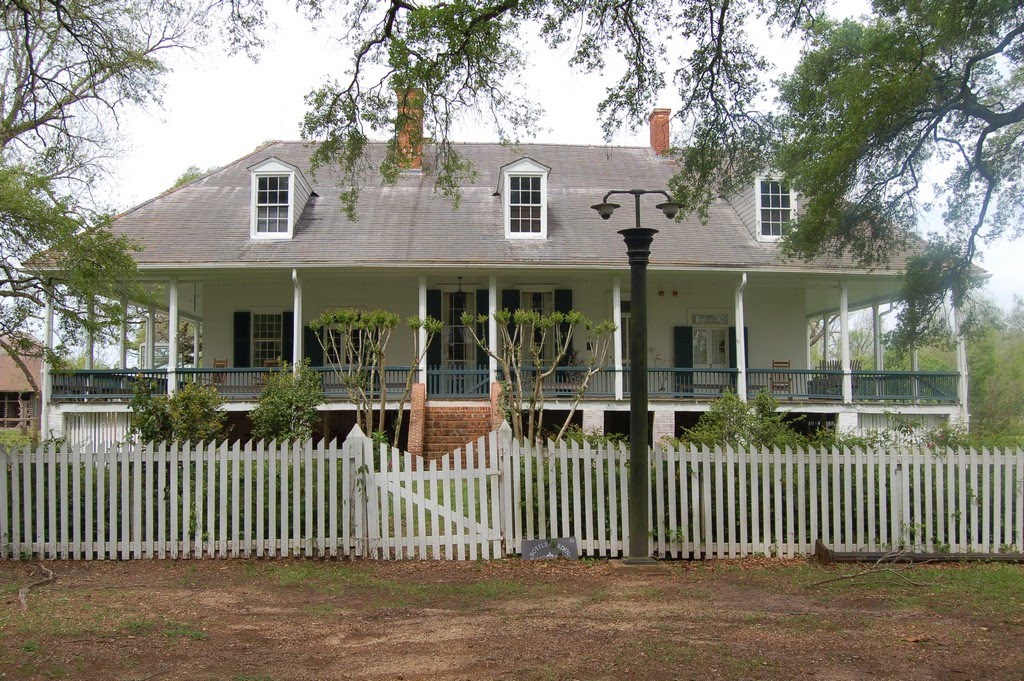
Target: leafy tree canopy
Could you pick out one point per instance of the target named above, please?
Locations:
(872, 103)
(69, 68)
(876, 108)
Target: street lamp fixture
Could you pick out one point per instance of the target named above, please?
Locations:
(638, 248)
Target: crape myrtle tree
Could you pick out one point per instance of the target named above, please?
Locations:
(532, 347)
(355, 346)
(873, 103)
(69, 69)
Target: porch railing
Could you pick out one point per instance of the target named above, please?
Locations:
(681, 383)
(338, 381)
(474, 383)
(800, 384)
(232, 384)
(905, 386)
(447, 382)
(104, 384)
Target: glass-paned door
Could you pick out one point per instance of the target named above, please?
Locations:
(710, 347)
(458, 350)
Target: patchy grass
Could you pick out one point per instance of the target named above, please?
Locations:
(173, 630)
(267, 619)
(341, 579)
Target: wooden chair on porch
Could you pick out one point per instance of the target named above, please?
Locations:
(217, 378)
(781, 380)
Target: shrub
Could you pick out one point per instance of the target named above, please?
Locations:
(287, 409)
(192, 415)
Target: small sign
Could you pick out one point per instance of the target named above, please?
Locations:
(544, 549)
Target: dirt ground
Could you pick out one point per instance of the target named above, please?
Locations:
(755, 619)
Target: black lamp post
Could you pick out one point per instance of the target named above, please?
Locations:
(638, 247)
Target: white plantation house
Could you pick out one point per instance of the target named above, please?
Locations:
(252, 252)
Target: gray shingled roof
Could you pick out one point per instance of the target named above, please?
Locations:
(207, 221)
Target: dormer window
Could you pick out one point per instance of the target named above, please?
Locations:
(776, 208)
(524, 204)
(272, 204)
(279, 195)
(524, 189)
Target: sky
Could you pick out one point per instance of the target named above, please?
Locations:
(217, 108)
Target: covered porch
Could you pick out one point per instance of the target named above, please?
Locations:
(244, 324)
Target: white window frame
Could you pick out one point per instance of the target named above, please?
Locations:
(254, 207)
(252, 338)
(298, 190)
(524, 167)
(729, 322)
(761, 236)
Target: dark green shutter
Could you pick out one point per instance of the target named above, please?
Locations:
(510, 302)
(434, 310)
(311, 348)
(563, 303)
(683, 347)
(287, 336)
(732, 347)
(482, 308)
(243, 338)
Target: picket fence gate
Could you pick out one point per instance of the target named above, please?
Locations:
(358, 499)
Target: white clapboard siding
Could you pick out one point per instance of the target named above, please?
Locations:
(190, 500)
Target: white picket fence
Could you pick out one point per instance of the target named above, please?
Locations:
(353, 499)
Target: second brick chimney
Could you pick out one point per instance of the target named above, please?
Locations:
(660, 130)
(410, 129)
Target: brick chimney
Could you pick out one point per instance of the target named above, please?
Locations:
(659, 130)
(410, 129)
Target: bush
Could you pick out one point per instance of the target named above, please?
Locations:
(193, 414)
(287, 410)
(15, 439)
(730, 421)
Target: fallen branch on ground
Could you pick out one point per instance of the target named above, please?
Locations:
(23, 591)
(883, 564)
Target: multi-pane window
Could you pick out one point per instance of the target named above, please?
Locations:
(458, 345)
(776, 208)
(339, 349)
(524, 204)
(272, 204)
(266, 339)
(710, 340)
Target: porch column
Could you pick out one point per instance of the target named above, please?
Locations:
(492, 326)
(195, 345)
(876, 325)
(122, 339)
(172, 336)
(90, 338)
(47, 383)
(824, 338)
(617, 338)
(297, 350)
(844, 340)
(741, 342)
(961, 364)
(422, 366)
(150, 337)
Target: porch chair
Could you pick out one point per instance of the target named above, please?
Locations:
(217, 378)
(781, 382)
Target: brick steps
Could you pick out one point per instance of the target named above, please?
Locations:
(446, 429)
